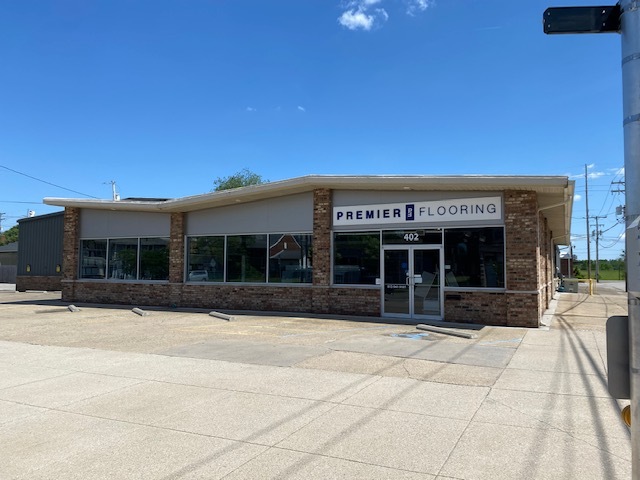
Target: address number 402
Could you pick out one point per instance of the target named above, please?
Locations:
(411, 237)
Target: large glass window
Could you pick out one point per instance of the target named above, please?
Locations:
(93, 258)
(356, 258)
(123, 258)
(154, 258)
(205, 259)
(474, 257)
(290, 258)
(247, 258)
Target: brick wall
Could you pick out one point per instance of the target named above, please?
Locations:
(486, 308)
(343, 301)
(38, 282)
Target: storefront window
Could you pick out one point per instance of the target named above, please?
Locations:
(290, 258)
(154, 258)
(474, 257)
(93, 258)
(356, 258)
(123, 258)
(205, 259)
(247, 258)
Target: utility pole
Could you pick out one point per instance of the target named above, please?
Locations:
(115, 196)
(623, 18)
(596, 233)
(586, 202)
(1, 218)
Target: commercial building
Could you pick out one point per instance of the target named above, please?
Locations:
(480, 249)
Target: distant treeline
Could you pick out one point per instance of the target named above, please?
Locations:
(609, 269)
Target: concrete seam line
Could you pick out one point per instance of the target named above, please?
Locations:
(223, 316)
(446, 331)
(140, 312)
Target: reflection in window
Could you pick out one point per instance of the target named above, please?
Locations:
(93, 258)
(154, 258)
(475, 257)
(205, 259)
(247, 258)
(123, 258)
(290, 258)
(356, 258)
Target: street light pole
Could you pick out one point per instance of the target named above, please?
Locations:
(630, 30)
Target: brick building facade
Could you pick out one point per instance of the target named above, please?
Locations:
(461, 249)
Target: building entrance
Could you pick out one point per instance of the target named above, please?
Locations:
(413, 282)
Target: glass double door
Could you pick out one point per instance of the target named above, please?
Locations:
(412, 285)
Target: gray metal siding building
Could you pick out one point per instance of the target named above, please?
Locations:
(40, 252)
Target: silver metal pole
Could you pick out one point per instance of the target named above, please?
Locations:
(586, 204)
(630, 30)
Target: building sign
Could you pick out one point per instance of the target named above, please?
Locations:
(438, 211)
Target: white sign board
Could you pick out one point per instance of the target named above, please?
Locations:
(438, 211)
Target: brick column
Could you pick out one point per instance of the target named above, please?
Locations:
(176, 248)
(71, 243)
(522, 252)
(70, 252)
(521, 229)
(322, 236)
(322, 214)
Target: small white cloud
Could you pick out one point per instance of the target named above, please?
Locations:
(355, 19)
(361, 14)
(577, 198)
(591, 165)
(417, 6)
(251, 109)
(302, 109)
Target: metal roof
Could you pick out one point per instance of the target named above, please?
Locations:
(555, 193)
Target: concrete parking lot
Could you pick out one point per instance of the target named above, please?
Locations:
(105, 393)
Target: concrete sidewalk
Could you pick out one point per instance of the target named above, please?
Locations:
(358, 404)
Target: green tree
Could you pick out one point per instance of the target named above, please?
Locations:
(242, 178)
(9, 236)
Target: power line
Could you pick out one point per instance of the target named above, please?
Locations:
(48, 183)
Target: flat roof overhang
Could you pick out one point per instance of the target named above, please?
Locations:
(555, 193)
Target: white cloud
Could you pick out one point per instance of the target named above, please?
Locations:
(577, 198)
(417, 6)
(367, 14)
(362, 14)
(302, 109)
(355, 19)
(251, 109)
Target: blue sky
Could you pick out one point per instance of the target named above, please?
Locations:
(163, 97)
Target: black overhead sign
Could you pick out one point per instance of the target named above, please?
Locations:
(582, 19)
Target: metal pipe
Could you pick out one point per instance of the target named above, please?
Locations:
(630, 30)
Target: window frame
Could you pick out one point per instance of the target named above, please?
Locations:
(108, 241)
